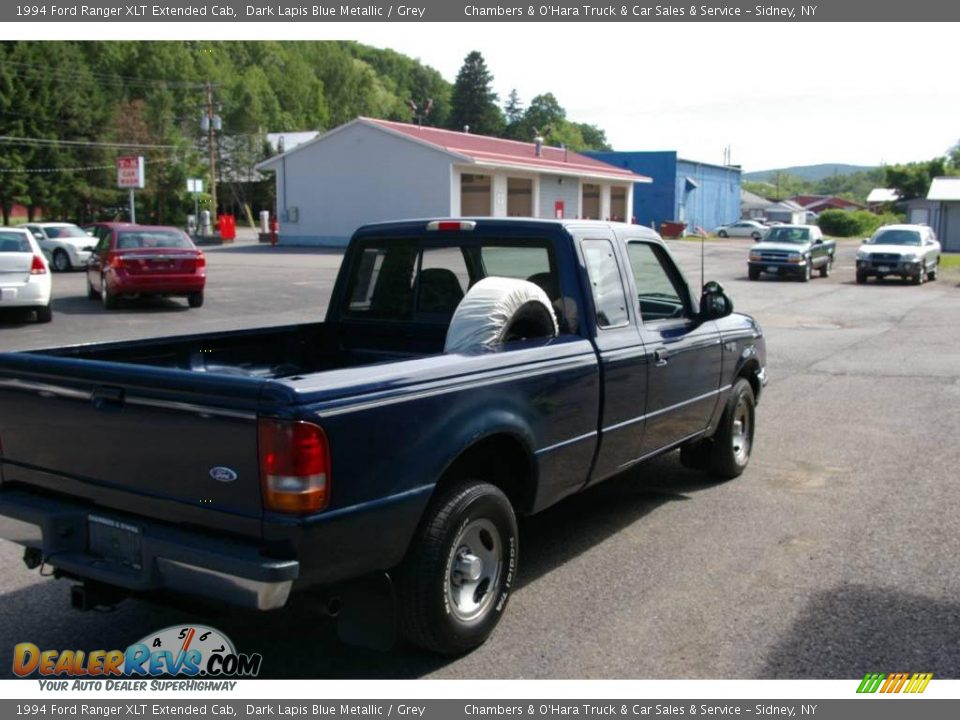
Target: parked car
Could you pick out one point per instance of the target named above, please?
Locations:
(144, 261)
(65, 245)
(24, 273)
(743, 228)
(468, 371)
(911, 252)
(792, 250)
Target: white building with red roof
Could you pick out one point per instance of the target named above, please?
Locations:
(371, 170)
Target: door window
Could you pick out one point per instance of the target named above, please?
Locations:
(660, 294)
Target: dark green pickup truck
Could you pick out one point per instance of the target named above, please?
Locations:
(792, 251)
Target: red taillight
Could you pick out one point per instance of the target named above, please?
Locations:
(37, 267)
(201, 262)
(294, 466)
(115, 261)
(451, 225)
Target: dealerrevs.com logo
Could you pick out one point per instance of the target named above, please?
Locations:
(894, 683)
(182, 650)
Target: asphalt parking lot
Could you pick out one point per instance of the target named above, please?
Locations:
(836, 553)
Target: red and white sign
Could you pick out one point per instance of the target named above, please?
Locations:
(130, 172)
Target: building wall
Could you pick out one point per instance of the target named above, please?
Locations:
(552, 190)
(356, 176)
(716, 199)
(653, 203)
(949, 231)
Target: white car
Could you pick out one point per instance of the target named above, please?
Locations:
(65, 245)
(742, 228)
(910, 252)
(24, 273)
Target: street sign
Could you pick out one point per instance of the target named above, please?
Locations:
(194, 185)
(130, 172)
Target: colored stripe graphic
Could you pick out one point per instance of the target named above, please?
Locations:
(894, 683)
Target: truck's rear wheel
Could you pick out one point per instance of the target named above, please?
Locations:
(733, 441)
(456, 580)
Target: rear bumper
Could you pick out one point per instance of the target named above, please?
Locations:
(167, 557)
(33, 293)
(159, 284)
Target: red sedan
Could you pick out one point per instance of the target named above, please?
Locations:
(144, 260)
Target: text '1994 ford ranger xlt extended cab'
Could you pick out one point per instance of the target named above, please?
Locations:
(468, 372)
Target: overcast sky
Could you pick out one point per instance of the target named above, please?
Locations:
(778, 94)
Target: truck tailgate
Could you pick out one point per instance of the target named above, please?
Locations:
(166, 444)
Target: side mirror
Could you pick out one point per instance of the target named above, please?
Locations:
(714, 303)
(818, 241)
(38, 235)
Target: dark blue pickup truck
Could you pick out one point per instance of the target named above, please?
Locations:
(243, 466)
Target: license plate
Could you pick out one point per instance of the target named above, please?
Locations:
(883, 268)
(115, 541)
(772, 269)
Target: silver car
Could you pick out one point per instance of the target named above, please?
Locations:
(742, 228)
(910, 252)
(64, 245)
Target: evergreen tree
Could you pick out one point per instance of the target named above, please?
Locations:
(473, 103)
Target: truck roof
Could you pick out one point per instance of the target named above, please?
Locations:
(516, 222)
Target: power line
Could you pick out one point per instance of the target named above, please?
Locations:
(86, 168)
(10, 140)
(104, 78)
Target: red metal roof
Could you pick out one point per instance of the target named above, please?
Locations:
(497, 151)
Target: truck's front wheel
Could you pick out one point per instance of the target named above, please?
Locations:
(733, 441)
(457, 578)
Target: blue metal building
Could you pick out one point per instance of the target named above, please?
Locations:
(698, 194)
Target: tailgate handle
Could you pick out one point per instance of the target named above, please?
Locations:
(108, 399)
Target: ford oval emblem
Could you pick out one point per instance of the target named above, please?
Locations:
(223, 474)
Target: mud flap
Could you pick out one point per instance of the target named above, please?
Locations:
(368, 614)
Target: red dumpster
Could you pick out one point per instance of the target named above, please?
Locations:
(672, 229)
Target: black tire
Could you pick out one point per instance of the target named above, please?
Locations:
(430, 613)
(920, 276)
(108, 299)
(92, 294)
(44, 314)
(723, 234)
(61, 261)
(827, 267)
(861, 278)
(807, 272)
(932, 275)
(195, 300)
(756, 235)
(753, 273)
(733, 441)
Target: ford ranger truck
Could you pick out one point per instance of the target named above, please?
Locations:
(247, 465)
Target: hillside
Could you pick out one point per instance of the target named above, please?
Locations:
(810, 173)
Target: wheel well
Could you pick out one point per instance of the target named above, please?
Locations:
(749, 373)
(501, 460)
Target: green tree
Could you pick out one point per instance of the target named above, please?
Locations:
(912, 180)
(473, 104)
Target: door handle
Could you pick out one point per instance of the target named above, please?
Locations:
(107, 399)
(660, 356)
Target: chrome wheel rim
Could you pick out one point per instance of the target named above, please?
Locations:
(740, 437)
(60, 261)
(104, 297)
(473, 569)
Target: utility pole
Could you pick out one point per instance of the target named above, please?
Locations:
(212, 123)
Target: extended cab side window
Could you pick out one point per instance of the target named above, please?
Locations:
(605, 283)
(660, 294)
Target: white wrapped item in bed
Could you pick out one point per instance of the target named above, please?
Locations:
(498, 310)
